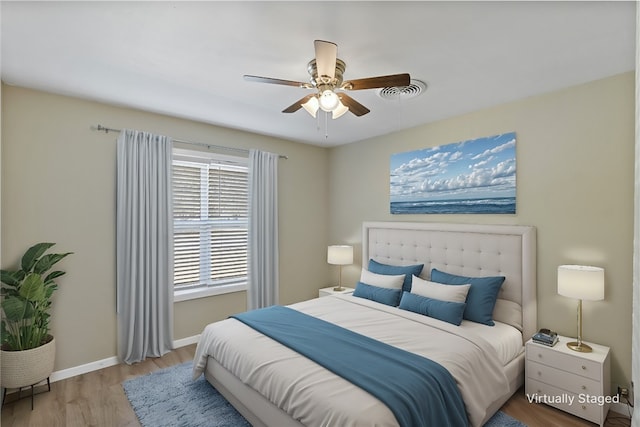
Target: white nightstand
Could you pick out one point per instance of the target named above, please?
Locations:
(568, 380)
(329, 291)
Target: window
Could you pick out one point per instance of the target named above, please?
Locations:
(210, 218)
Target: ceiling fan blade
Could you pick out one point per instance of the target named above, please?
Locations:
(298, 104)
(354, 106)
(393, 80)
(260, 79)
(326, 54)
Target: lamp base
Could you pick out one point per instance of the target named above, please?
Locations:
(579, 346)
(338, 288)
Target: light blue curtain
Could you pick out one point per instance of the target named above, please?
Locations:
(144, 246)
(263, 230)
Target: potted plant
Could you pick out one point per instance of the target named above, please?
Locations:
(28, 350)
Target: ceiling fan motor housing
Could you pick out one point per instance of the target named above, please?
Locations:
(316, 80)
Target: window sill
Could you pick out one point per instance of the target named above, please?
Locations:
(189, 294)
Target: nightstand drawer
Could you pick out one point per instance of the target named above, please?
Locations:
(566, 362)
(569, 402)
(562, 379)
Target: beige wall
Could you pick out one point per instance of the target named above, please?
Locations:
(58, 184)
(575, 163)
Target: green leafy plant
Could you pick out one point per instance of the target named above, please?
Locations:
(27, 298)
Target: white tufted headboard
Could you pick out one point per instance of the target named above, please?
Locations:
(468, 250)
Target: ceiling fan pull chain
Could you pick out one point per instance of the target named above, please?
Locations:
(318, 123)
(326, 125)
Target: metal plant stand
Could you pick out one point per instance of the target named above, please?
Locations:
(4, 394)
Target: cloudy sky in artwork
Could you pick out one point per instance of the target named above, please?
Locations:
(474, 169)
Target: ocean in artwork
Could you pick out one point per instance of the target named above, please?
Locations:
(477, 176)
(496, 205)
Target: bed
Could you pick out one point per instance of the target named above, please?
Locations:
(272, 385)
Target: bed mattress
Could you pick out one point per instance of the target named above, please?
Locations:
(475, 356)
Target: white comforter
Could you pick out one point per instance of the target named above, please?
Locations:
(317, 397)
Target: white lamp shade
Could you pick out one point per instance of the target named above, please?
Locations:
(581, 282)
(340, 255)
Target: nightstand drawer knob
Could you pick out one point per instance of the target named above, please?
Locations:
(539, 373)
(540, 355)
(584, 387)
(584, 407)
(584, 368)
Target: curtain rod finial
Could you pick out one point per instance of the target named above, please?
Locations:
(100, 128)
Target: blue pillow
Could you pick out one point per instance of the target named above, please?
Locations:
(393, 270)
(482, 295)
(386, 296)
(446, 311)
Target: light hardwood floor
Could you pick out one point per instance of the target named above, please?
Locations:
(97, 399)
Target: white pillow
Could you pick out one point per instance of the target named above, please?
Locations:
(452, 293)
(508, 312)
(381, 280)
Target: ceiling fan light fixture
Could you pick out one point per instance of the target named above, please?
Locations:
(339, 110)
(312, 106)
(329, 101)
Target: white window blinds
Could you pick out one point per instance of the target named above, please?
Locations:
(210, 197)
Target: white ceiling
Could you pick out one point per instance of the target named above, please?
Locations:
(187, 59)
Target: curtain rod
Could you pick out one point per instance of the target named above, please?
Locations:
(201, 144)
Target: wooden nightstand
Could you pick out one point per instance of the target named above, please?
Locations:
(329, 291)
(578, 383)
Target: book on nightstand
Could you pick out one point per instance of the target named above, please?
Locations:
(546, 337)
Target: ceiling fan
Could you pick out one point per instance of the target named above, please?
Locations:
(326, 71)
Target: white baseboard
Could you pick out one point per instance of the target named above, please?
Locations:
(109, 361)
(83, 369)
(186, 341)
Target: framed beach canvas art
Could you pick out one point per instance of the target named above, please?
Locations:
(469, 177)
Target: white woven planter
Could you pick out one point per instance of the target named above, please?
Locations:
(27, 367)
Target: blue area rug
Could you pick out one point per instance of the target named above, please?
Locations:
(169, 398)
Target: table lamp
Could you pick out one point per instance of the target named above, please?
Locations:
(583, 283)
(340, 255)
